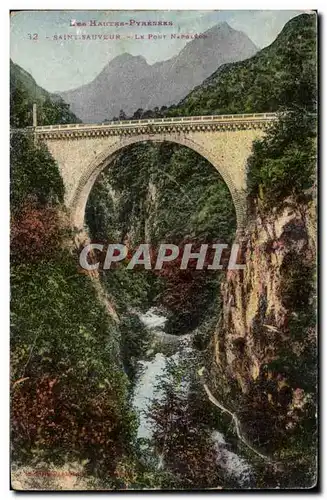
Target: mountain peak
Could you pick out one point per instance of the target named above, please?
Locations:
(128, 82)
(126, 58)
(221, 28)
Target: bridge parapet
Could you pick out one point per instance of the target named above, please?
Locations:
(158, 125)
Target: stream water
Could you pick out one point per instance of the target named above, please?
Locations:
(153, 369)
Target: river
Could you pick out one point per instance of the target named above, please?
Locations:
(173, 360)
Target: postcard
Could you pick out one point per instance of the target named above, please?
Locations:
(163, 203)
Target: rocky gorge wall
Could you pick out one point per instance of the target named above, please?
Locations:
(264, 346)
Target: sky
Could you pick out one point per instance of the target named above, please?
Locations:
(58, 64)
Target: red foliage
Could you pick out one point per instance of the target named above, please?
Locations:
(35, 233)
(184, 286)
(52, 413)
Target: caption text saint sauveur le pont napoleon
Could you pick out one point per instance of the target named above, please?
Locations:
(115, 36)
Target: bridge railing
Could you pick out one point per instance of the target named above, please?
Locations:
(182, 119)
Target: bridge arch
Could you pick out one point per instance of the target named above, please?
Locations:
(102, 160)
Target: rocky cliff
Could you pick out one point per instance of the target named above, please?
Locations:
(264, 346)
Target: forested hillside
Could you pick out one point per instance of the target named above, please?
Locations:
(24, 91)
(277, 76)
(69, 389)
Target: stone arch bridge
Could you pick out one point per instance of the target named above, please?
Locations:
(83, 150)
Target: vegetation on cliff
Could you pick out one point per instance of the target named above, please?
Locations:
(283, 164)
(68, 386)
(33, 174)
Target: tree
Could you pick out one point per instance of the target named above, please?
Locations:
(138, 114)
(122, 115)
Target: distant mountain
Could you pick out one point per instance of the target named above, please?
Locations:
(24, 91)
(280, 75)
(129, 82)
